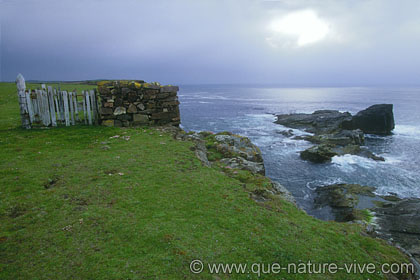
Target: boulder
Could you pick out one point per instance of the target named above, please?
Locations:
(377, 119)
(318, 154)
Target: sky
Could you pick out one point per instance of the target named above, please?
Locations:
(282, 42)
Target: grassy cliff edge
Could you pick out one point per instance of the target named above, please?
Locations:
(113, 203)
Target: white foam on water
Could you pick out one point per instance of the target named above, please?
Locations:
(348, 163)
(410, 131)
(313, 185)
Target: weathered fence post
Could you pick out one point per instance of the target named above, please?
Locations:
(24, 112)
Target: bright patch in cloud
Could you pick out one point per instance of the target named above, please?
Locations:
(304, 27)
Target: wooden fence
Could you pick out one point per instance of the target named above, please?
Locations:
(51, 107)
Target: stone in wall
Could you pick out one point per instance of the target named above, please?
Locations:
(136, 103)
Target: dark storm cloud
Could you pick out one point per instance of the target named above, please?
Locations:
(186, 41)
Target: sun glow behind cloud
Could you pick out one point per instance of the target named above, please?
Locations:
(301, 27)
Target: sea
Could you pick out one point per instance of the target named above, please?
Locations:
(250, 111)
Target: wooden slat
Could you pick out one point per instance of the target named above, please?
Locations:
(52, 107)
(76, 109)
(95, 102)
(24, 114)
(88, 108)
(35, 106)
(30, 106)
(84, 107)
(66, 108)
(47, 114)
(61, 104)
(39, 105)
(71, 107)
(93, 105)
(57, 107)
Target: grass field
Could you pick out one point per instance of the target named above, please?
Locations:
(77, 204)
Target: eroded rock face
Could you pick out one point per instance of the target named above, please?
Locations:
(283, 192)
(241, 163)
(394, 219)
(400, 221)
(237, 152)
(377, 119)
(240, 145)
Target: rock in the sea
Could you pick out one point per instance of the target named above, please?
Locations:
(319, 122)
(318, 154)
(286, 133)
(377, 119)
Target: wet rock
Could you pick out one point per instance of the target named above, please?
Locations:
(318, 154)
(338, 133)
(356, 136)
(342, 138)
(377, 119)
(286, 133)
(319, 122)
(347, 201)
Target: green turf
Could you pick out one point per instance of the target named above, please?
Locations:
(77, 204)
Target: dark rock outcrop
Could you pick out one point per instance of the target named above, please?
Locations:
(400, 221)
(319, 122)
(338, 133)
(377, 119)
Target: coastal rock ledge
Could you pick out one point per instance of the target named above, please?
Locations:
(386, 216)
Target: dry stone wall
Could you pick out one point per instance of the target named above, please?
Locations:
(136, 103)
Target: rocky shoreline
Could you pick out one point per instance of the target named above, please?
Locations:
(388, 217)
(334, 133)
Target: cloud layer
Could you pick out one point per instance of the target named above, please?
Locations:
(369, 42)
